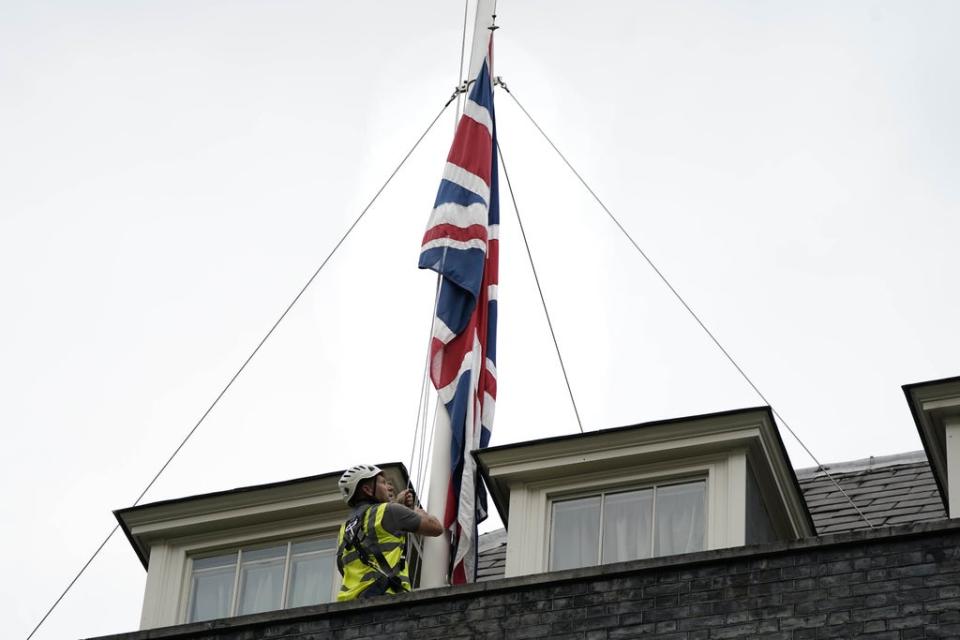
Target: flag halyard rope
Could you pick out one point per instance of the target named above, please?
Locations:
(686, 306)
(245, 363)
(463, 49)
(420, 430)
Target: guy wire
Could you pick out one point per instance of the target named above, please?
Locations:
(688, 308)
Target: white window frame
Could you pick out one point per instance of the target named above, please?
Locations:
(528, 541)
(605, 490)
(180, 563)
(165, 599)
(187, 592)
(523, 478)
(168, 533)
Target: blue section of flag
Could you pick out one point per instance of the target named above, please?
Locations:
(452, 192)
(482, 90)
(461, 244)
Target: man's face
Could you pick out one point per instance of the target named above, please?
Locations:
(383, 489)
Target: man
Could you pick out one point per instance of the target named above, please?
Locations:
(372, 546)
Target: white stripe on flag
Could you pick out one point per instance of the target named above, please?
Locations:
(486, 416)
(492, 291)
(478, 113)
(441, 331)
(493, 232)
(469, 181)
(492, 368)
(459, 215)
(446, 393)
(466, 511)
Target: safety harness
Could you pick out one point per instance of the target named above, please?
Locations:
(360, 541)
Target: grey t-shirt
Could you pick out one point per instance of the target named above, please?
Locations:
(397, 519)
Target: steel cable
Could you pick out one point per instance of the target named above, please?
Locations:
(243, 366)
(536, 279)
(686, 306)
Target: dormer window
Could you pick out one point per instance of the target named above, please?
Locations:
(242, 551)
(650, 490)
(263, 578)
(616, 526)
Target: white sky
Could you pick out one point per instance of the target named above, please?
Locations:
(172, 172)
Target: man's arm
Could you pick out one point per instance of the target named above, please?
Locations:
(414, 519)
(429, 525)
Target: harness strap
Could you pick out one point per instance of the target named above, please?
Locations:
(380, 581)
(350, 556)
(367, 544)
(340, 555)
(390, 573)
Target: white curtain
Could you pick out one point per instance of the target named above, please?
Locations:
(211, 587)
(576, 533)
(311, 579)
(680, 519)
(627, 526)
(212, 594)
(261, 579)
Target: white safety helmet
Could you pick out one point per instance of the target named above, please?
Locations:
(353, 476)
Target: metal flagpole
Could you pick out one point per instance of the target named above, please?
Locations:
(436, 551)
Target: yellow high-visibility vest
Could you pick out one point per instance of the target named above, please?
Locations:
(379, 547)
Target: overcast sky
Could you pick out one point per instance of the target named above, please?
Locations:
(172, 172)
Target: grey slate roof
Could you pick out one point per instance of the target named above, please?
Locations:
(492, 551)
(889, 490)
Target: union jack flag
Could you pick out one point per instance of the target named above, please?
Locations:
(461, 244)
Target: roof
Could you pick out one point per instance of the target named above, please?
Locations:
(241, 501)
(752, 430)
(889, 490)
(492, 552)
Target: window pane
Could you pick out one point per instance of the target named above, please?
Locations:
(261, 579)
(269, 553)
(680, 519)
(311, 572)
(627, 525)
(215, 561)
(576, 533)
(311, 579)
(320, 544)
(211, 587)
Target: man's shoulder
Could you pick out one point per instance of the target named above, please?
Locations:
(397, 517)
(398, 510)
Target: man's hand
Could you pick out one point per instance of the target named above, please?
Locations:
(407, 498)
(429, 525)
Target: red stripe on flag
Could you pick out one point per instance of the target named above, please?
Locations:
(459, 575)
(472, 149)
(492, 266)
(489, 383)
(453, 355)
(452, 231)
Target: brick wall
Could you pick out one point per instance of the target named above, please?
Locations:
(896, 583)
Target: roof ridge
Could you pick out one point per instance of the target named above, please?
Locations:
(865, 464)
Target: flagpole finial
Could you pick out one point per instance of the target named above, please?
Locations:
(493, 25)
